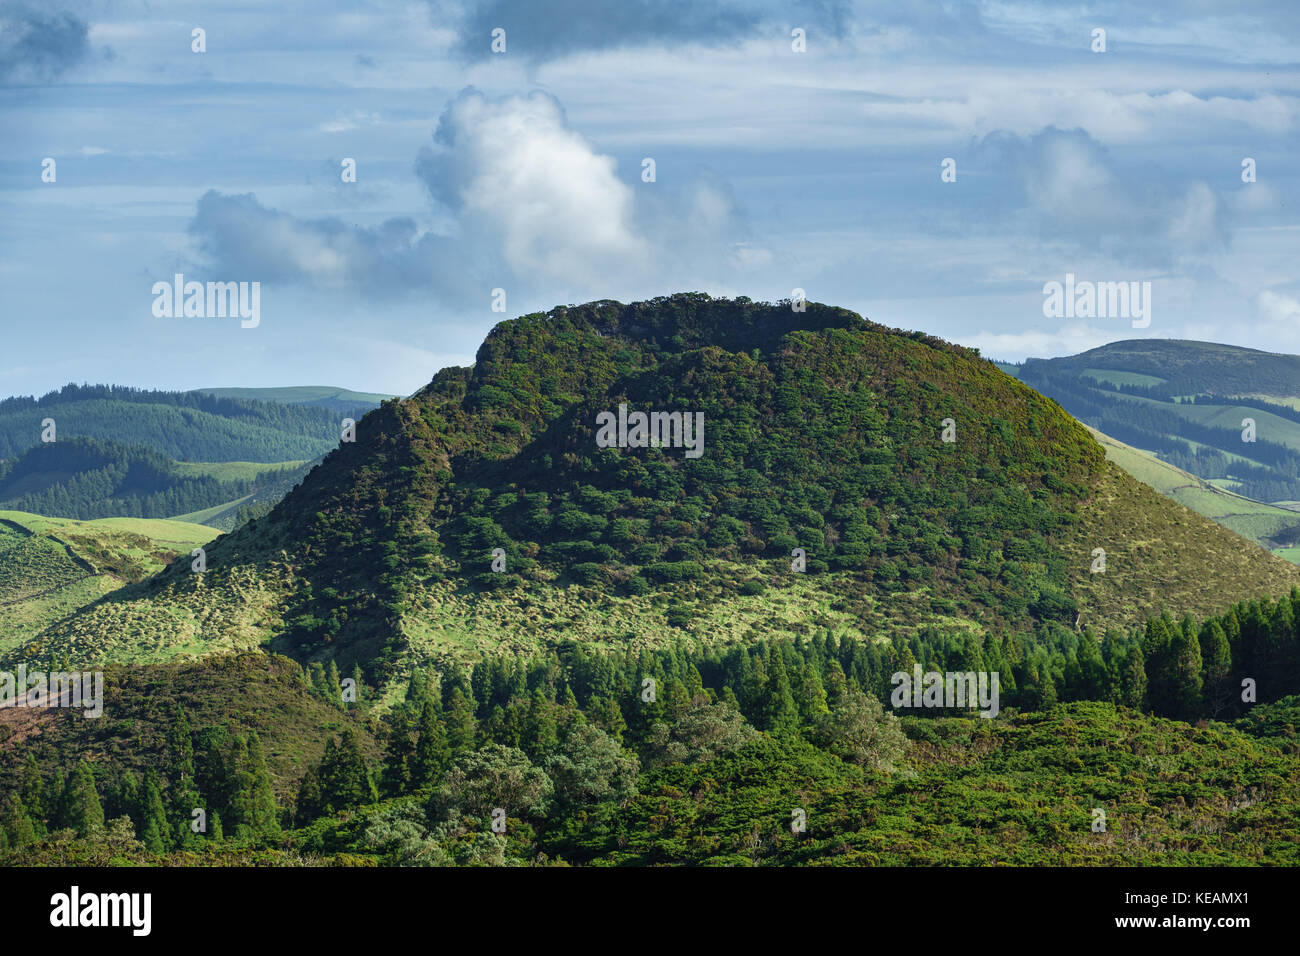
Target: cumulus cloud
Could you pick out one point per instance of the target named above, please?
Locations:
(36, 46)
(517, 176)
(528, 205)
(244, 240)
(1278, 307)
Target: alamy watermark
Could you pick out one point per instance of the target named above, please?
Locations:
(55, 689)
(215, 300)
(953, 689)
(1098, 300)
(651, 430)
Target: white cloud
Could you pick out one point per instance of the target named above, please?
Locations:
(513, 171)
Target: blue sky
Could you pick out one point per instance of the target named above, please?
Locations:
(522, 170)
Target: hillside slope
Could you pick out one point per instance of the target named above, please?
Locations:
(823, 431)
(1269, 526)
(86, 478)
(51, 567)
(178, 425)
(1189, 366)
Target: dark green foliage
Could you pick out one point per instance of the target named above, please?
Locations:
(341, 781)
(186, 426)
(253, 811)
(79, 809)
(87, 478)
(432, 751)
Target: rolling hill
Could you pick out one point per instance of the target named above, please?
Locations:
(86, 478)
(340, 401)
(1269, 526)
(823, 432)
(51, 567)
(1192, 404)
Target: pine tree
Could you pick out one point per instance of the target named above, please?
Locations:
(333, 690)
(16, 824)
(460, 723)
(358, 682)
(344, 778)
(813, 705)
(1047, 689)
(182, 794)
(836, 683)
(32, 790)
(1133, 684)
(540, 735)
(606, 715)
(432, 752)
(778, 712)
(310, 803)
(82, 811)
(151, 818)
(1091, 669)
(399, 754)
(1216, 668)
(253, 810)
(1185, 671)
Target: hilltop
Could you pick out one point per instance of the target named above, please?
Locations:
(341, 401)
(186, 426)
(823, 432)
(1188, 367)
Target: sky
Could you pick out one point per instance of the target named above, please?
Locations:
(796, 145)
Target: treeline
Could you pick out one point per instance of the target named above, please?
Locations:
(190, 426)
(221, 775)
(1188, 368)
(84, 478)
(558, 737)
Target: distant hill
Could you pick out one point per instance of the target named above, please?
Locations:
(85, 478)
(1188, 367)
(1190, 403)
(823, 433)
(179, 425)
(341, 401)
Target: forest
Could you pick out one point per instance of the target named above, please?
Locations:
(185, 426)
(85, 478)
(566, 742)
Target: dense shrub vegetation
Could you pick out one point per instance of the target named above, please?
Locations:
(698, 755)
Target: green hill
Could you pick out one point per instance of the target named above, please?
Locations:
(1189, 403)
(1187, 367)
(341, 401)
(86, 478)
(51, 567)
(178, 425)
(1269, 526)
(823, 431)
